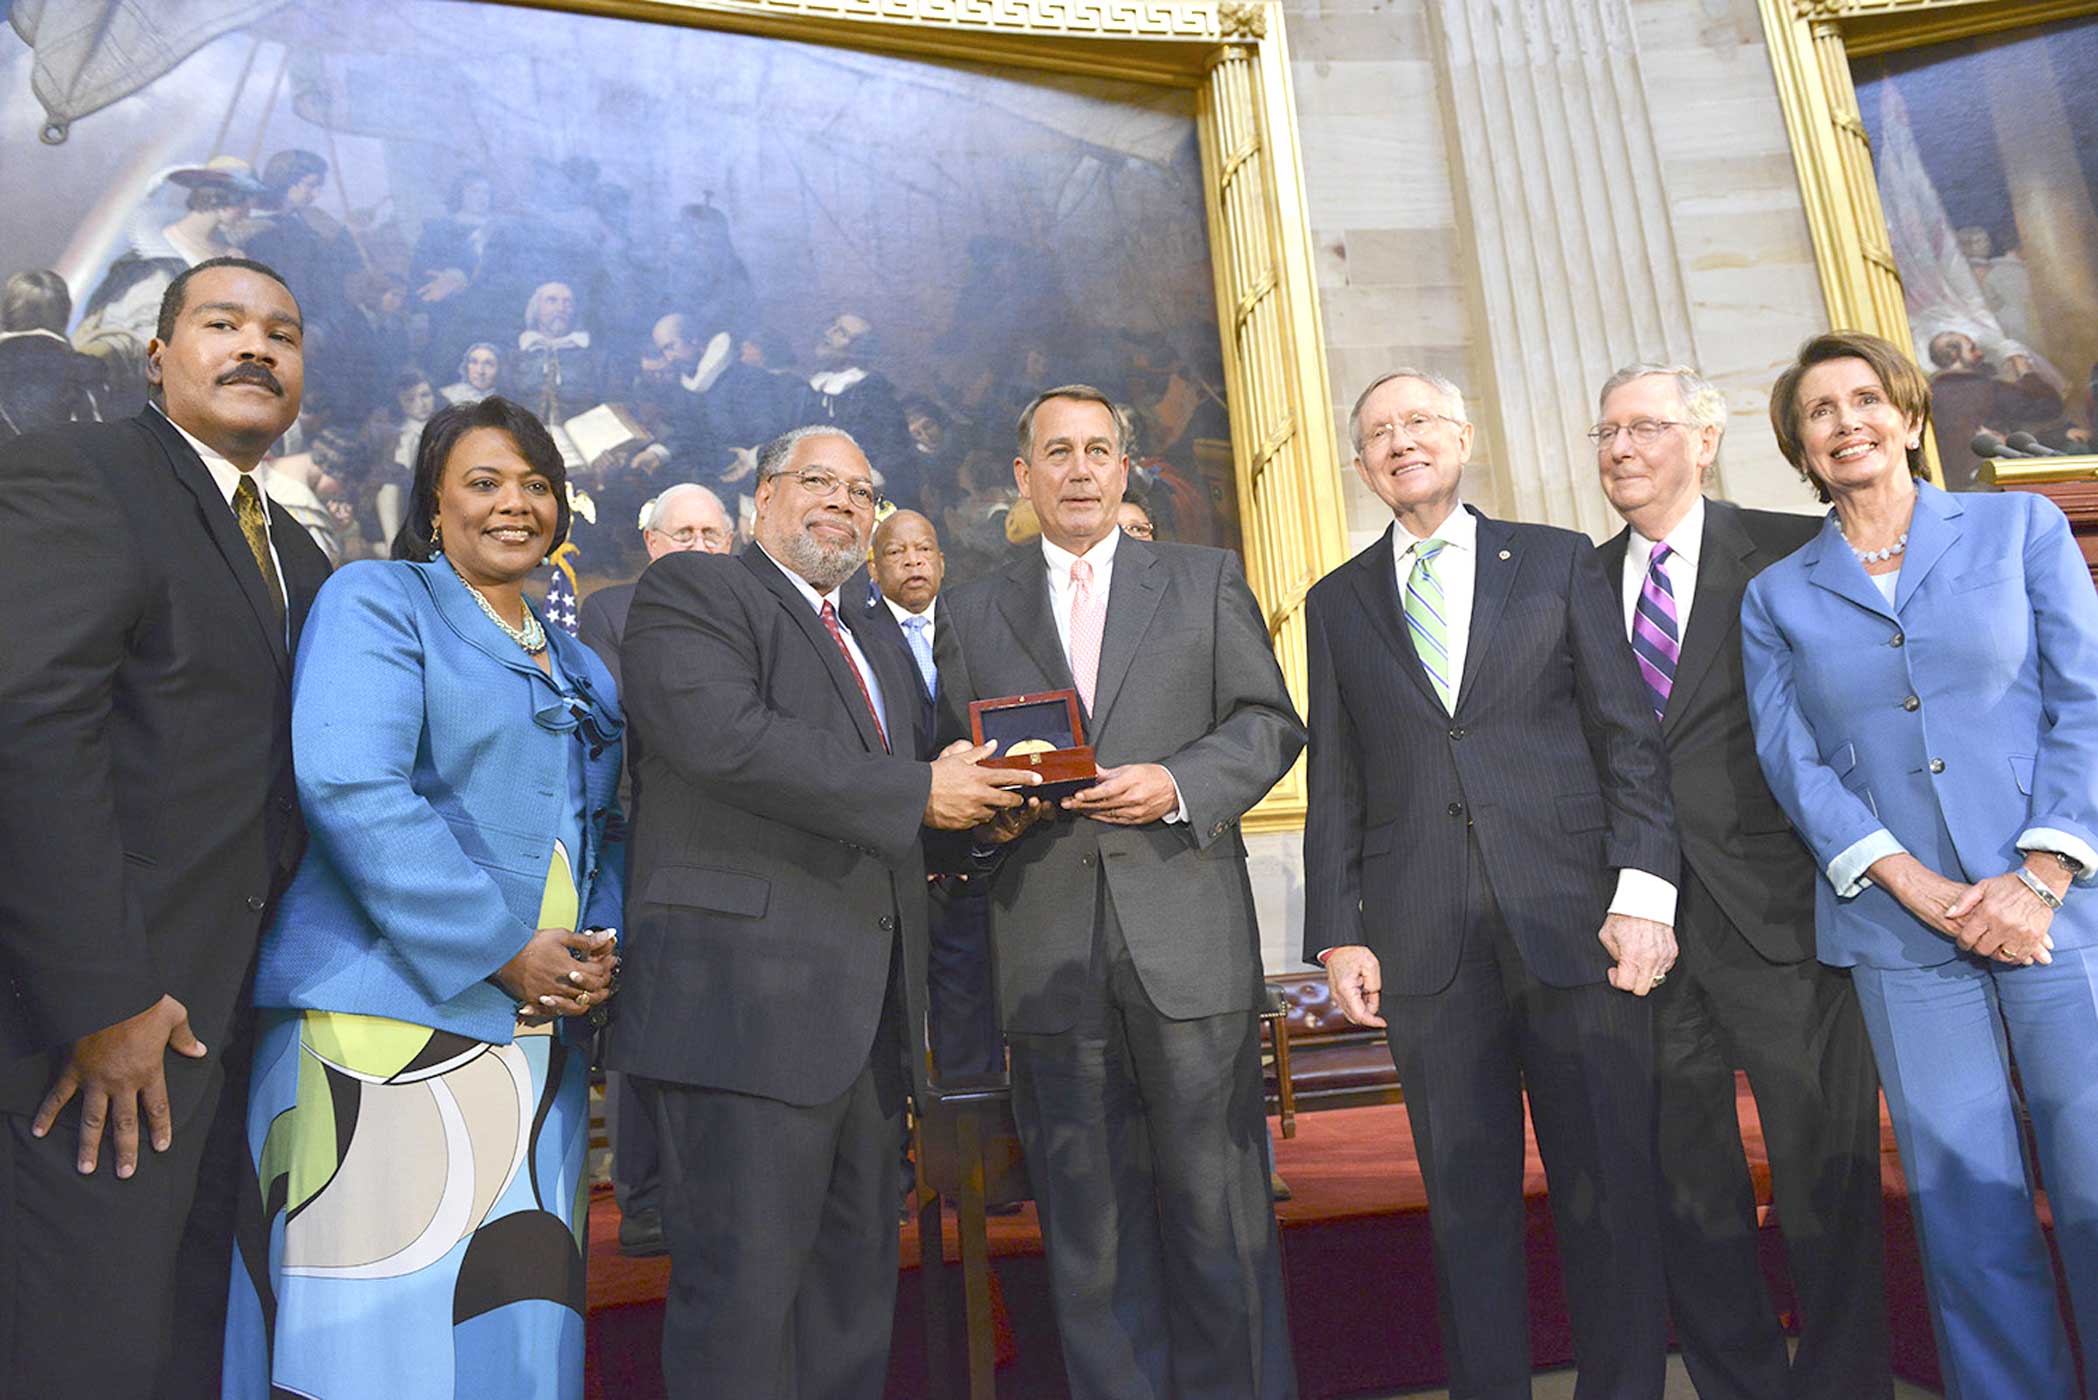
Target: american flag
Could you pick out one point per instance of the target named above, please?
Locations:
(561, 597)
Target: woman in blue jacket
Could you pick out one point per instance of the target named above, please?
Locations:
(1923, 679)
(418, 1119)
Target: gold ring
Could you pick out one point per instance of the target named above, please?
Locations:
(1659, 978)
(582, 998)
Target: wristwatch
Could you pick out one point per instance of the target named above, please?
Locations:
(2068, 863)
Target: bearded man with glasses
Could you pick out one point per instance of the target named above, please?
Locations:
(777, 898)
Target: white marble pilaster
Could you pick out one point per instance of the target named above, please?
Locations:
(1564, 212)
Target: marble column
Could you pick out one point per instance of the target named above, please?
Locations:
(1564, 212)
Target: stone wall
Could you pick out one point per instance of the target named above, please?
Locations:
(1407, 172)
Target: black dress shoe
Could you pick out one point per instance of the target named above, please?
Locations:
(641, 1235)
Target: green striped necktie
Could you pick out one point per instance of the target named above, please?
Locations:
(1425, 611)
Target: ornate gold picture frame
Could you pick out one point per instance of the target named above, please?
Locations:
(1235, 57)
(1812, 43)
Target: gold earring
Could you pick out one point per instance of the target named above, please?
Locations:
(437, 534)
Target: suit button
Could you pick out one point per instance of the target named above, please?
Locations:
(1912, 704)
(1086, 861)
(1456, 733)
(1937, 765)
(1896, 640)
(255, 902)
(1456, 809)
(888, 924)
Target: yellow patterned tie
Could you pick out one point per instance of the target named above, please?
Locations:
(247, 508)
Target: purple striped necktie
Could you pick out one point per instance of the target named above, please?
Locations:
(1656, 637)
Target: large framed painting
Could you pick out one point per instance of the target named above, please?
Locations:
(1948, 152)
(675, 230)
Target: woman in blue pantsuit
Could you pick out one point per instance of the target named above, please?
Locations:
(1923, 677)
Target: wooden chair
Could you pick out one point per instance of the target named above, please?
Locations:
(968, 1152)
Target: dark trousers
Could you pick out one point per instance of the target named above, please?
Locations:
(117, 1289)
(781, 1222)
(1797, 1030)
(631, 1126)
(962, 1005)
(1144, 1142)
(1465, 1056)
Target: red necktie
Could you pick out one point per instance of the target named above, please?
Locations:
(837, 634)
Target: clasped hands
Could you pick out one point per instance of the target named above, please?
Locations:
(562, 972)
(1996, 918)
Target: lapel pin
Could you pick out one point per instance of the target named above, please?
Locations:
(1504, 554)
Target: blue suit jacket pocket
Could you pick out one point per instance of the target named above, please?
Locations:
(501, 848)
(709, 887)
(1581, 811)
(2021, 772)
(1842, 760)
(1995, 571)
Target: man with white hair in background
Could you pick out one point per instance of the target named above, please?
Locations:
(684, 517)
(1747, 993)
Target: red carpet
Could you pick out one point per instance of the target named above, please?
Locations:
(1355, 1248)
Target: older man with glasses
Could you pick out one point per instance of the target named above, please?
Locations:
(778, 902)
(1489, 851)
(684, 517)
(1748, 993)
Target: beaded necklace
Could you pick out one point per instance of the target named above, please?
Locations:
(531, 636)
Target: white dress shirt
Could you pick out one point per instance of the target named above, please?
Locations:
(227, 477)
(1640, 895)
(852, 644)
(1102, 557)
(1685, 542)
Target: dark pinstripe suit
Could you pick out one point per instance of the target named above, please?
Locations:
(1476, 854)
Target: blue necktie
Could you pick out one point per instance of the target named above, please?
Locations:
(918, 631)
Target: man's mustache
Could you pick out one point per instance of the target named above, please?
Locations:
(252, 373)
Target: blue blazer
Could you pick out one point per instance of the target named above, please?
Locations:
(1958, 723)
(432, 761)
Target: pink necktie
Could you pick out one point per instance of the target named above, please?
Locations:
(1088, 620)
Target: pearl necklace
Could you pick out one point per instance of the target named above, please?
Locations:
(531, 636)
(1865, 556)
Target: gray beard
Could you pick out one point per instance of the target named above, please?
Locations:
(824, 568)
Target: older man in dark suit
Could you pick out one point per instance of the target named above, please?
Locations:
(1128, 958)
(155, 596)
(1488, 856)
(1748, 993)
(776, 909)
(683, 517)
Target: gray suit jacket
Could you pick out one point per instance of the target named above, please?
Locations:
(1187, 679)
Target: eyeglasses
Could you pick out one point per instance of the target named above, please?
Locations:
(1141, 529)
(1645, 431)
(1378, 441)
(689, 536)
(824, 485)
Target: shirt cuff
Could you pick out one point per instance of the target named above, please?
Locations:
(1179, 812)
(1847, 871)
(1642, 894)
(2047, 838)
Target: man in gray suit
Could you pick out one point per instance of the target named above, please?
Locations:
(1128, 961)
